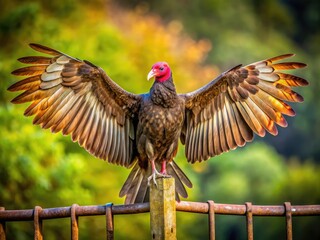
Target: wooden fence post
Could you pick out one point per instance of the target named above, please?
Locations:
(163, 209)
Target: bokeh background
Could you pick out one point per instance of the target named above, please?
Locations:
(199, 39)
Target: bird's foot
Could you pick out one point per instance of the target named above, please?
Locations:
(155, 174)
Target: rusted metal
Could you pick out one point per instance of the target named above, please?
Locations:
(288, 208)
(163, 209)
(74, 222)
(183, 206)
(64, 212)
(249, 220)
(257, 210)
(211, 220)
(2, 227)
(37, 223)
(109, 222)
(38, 214)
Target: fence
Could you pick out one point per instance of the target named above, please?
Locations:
(162, 208)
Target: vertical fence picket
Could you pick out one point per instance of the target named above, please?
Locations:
(288, 209)
(109, 222)
(212, 224)
(74, 222)
(249, 220)
(37, 223)
(2, 227)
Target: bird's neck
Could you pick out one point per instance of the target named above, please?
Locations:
(163, 93)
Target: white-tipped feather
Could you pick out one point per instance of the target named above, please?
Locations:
(50, 84)
(63, 59)
(50, 76)
(54, 67)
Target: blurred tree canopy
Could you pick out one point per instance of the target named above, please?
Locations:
(199, 39)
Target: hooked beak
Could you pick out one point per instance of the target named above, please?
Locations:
(151, 74)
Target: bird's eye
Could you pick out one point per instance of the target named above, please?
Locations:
(161, 68)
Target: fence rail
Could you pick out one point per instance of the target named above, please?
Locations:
(183, 206)
(37, 215)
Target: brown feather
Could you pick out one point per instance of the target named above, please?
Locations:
(210, 138)
(275, 103)
(280, 91)
(277, 58)
(50, 84)
(227, 124)
(196, 145)
(49, 118)
(239, 141)
(244, 128)
(222, 135)
(205, 150)
(288, 65)
(32, 95)
(106, 141)
(258, 129)
(35, 60)
(61, 114)
(216, 140)
(30, 83)
(87, 127)
(34, 107)
(44, 49)
(290, 80)
(29, 71)
(68, 117)
(276, 117)
(262, 118)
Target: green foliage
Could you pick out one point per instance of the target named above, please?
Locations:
(39, 168)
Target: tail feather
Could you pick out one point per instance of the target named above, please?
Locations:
(180, 189)
(128, 183)
(134, 185)
(136, 188)
(181, 175)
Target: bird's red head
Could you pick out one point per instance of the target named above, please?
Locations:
(161, 71)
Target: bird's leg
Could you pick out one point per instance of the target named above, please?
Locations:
(155, 174)
(164, 168)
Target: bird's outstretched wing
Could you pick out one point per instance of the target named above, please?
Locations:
(224, 114)
(79, 99)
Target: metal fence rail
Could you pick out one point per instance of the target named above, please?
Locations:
(37, 215)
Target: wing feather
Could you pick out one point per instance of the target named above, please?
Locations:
(216, 140)
(227, 123)
(221, 126)
(226, 112)
(79, 99)
(234, 127)
(210, 138)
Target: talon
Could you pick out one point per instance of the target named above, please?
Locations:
(153, 177)
(155, 174)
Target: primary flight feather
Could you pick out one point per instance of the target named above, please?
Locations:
(142, 131)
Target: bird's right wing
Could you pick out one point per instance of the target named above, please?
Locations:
(79, 99)
(226, 112)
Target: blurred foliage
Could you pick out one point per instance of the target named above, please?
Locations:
(125, 38)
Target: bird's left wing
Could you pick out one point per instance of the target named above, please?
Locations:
(226, 112)
(79, 99)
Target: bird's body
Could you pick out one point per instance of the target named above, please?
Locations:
(159, 127)
(142, 131)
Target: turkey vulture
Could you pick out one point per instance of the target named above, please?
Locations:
(142, 131)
